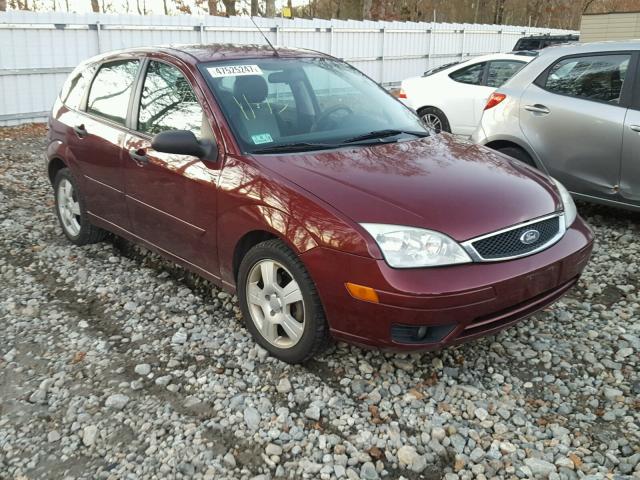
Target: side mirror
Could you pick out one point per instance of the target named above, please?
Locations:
(184, 142)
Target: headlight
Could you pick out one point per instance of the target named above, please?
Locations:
(408, 247)
(570, 211)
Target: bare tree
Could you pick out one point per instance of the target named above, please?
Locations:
(254, 8)
(213, 7)
(270, 10)
(95, 6)
(230, 7)
(499, 12)
(366, 9)
(3, 5)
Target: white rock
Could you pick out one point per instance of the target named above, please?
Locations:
(179, 337)
(539, 468)
(481, 414)
(284, 385)
(251, 418)
(143, 369)
(273, 449)
(313, 412)
(116, 401)
(229, 460)
(89, 435)
(410, 458)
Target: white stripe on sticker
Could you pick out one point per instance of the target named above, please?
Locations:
(234, 70)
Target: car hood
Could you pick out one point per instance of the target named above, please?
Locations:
(439, 183)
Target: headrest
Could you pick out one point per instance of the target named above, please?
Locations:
(252, 87)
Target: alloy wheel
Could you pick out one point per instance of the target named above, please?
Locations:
(275, 303)
(432, 122)
(69, 207)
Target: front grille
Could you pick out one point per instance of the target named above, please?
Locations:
(509, 243)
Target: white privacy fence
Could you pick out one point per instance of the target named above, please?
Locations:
(38, 50)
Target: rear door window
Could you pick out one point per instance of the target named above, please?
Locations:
(596, 77)
(498, 72)
(168, 102)
(471, 75)
(111, 90)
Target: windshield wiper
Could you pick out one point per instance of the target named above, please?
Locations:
(380, 134)
(295, 147)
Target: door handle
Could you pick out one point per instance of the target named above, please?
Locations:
(139, 156)
(635, 128)
(80, 130)
(537, 108)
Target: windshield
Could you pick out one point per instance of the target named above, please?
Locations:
(305, 103)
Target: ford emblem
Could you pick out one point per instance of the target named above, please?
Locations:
(530, 236)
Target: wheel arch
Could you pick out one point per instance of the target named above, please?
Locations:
(503, 143)
(54, 165)
(246, 243)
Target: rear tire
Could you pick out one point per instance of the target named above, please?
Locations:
(518, 154)
(280, 303)
(71, 212)
(434, 119)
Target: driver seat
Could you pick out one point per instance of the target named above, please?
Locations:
(252, 108)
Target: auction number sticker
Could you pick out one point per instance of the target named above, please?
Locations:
(234, 70)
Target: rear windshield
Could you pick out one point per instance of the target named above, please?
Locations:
(271, 102)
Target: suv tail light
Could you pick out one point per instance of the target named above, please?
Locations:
(494, 100)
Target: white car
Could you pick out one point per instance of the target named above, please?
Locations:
(451, 97)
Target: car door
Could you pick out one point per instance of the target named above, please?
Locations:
(464, 102)
(95, 139)
(171, 198)
(630, 164)
(573, 116)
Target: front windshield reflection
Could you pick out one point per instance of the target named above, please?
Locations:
(271, 102)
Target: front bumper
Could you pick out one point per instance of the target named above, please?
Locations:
(456, 303)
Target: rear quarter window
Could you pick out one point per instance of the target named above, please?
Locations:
(471, 75)
(75, 87)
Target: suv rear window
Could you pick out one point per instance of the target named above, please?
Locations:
(111, 90)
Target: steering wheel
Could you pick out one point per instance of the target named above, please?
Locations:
(327, 113)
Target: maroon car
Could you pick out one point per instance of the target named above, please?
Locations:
(293, 179)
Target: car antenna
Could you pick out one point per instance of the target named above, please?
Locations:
(275, 52)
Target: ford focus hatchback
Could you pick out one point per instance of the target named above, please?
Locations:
(294, 180)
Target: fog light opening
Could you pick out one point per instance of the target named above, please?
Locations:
(421, 333)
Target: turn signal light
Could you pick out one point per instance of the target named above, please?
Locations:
(361, 292)
(494, 100)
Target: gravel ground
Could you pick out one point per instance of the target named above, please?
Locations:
(117, 364)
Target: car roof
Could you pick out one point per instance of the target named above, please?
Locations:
(548, 36)
(199, 53)
(503, 56)
(593, 47)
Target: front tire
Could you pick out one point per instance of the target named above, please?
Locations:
(434, 119)
(280, 303)
(71, 213)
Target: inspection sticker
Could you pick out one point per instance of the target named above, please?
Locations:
(234, 71)
(261, 138)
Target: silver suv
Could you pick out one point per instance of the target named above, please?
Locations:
(574, 112)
